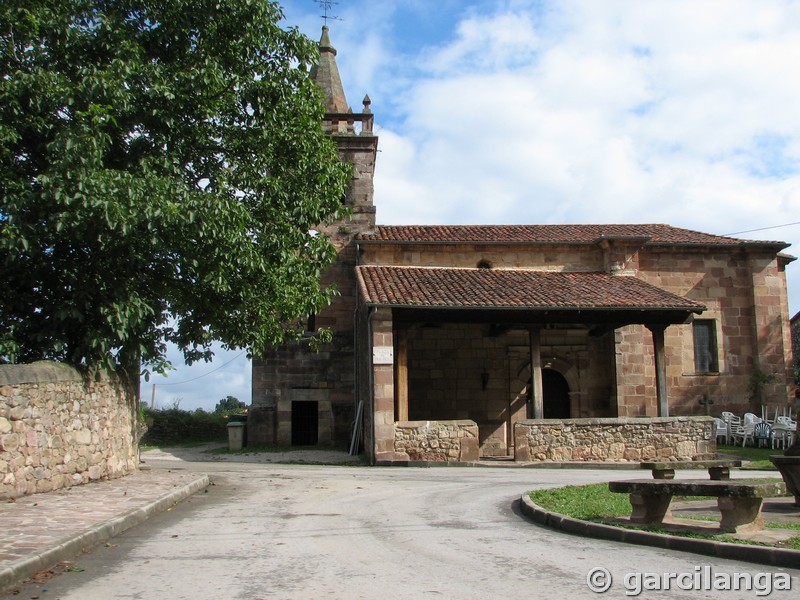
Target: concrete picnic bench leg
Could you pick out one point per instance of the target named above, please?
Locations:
(650, 508)
(719, 473)
(740, 514)
(663, 473)
(715, 473)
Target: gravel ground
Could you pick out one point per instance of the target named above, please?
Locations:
(214, 452)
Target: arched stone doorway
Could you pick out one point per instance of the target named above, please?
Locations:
(560, 386)
(556, 395)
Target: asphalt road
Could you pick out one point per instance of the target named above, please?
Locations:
(315, 532)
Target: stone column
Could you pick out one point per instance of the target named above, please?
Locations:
(401, 373)
(661, 369)
(383, 384)
(537, 392)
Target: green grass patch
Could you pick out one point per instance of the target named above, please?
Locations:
(587, 502)
(757, 458)
(596, 503)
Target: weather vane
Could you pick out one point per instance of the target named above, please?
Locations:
(326, 5)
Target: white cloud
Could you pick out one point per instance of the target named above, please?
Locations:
(200, 385)
(492, 44)
(625, 109)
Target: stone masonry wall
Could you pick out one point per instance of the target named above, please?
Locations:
(58, 430)
(625, 440)
(512, 256)
(295, 372)
(745, 295)
(436, 441)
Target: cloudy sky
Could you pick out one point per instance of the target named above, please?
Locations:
(566, 111)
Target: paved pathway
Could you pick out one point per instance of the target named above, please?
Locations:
(40, 530)
(303, 531)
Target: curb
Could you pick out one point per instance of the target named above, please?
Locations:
(629, 466)
(776, 557)
(69, 547)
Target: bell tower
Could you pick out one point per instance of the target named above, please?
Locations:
(358, 145)
(301, 396)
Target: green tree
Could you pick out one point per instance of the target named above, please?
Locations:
(162, 167)
(229, 404)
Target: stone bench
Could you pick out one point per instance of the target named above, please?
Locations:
(739, 502)
(717, 469)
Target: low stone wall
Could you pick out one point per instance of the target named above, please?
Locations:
(58, 430)
(629, 440)
(436, 441)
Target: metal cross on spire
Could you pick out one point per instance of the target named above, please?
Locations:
(326, 5)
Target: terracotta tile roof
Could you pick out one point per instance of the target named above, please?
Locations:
(512, 289)
(550, 234)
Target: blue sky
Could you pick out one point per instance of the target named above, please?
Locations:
(565, 111)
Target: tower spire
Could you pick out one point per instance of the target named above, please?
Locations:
(326, 74)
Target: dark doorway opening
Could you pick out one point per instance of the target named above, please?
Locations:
(305, 423)
(556, 395)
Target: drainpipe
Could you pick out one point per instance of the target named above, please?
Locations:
(356, 378)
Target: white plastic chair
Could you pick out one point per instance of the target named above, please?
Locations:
(746, 430)
(750, 418)
(781, 437)
(731, 419)
(723, 431)
(734, 422)
(737, 434)
(784, 431)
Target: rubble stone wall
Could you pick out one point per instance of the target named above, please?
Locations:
(436, 441)
(625, 440)
(58, 429)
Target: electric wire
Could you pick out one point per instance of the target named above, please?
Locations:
(204, 374)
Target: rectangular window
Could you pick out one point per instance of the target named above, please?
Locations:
(705, 346)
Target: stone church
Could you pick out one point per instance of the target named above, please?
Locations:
(466, 331)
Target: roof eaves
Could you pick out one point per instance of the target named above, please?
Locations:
(733, 243)
(450, 242)
(697, 309)
(361, 285)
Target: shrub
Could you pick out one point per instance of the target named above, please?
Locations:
(173, 425)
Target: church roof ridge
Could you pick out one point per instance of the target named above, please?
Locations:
(650, 233)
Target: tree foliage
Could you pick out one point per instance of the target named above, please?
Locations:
(229, 404)
(162, 167)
